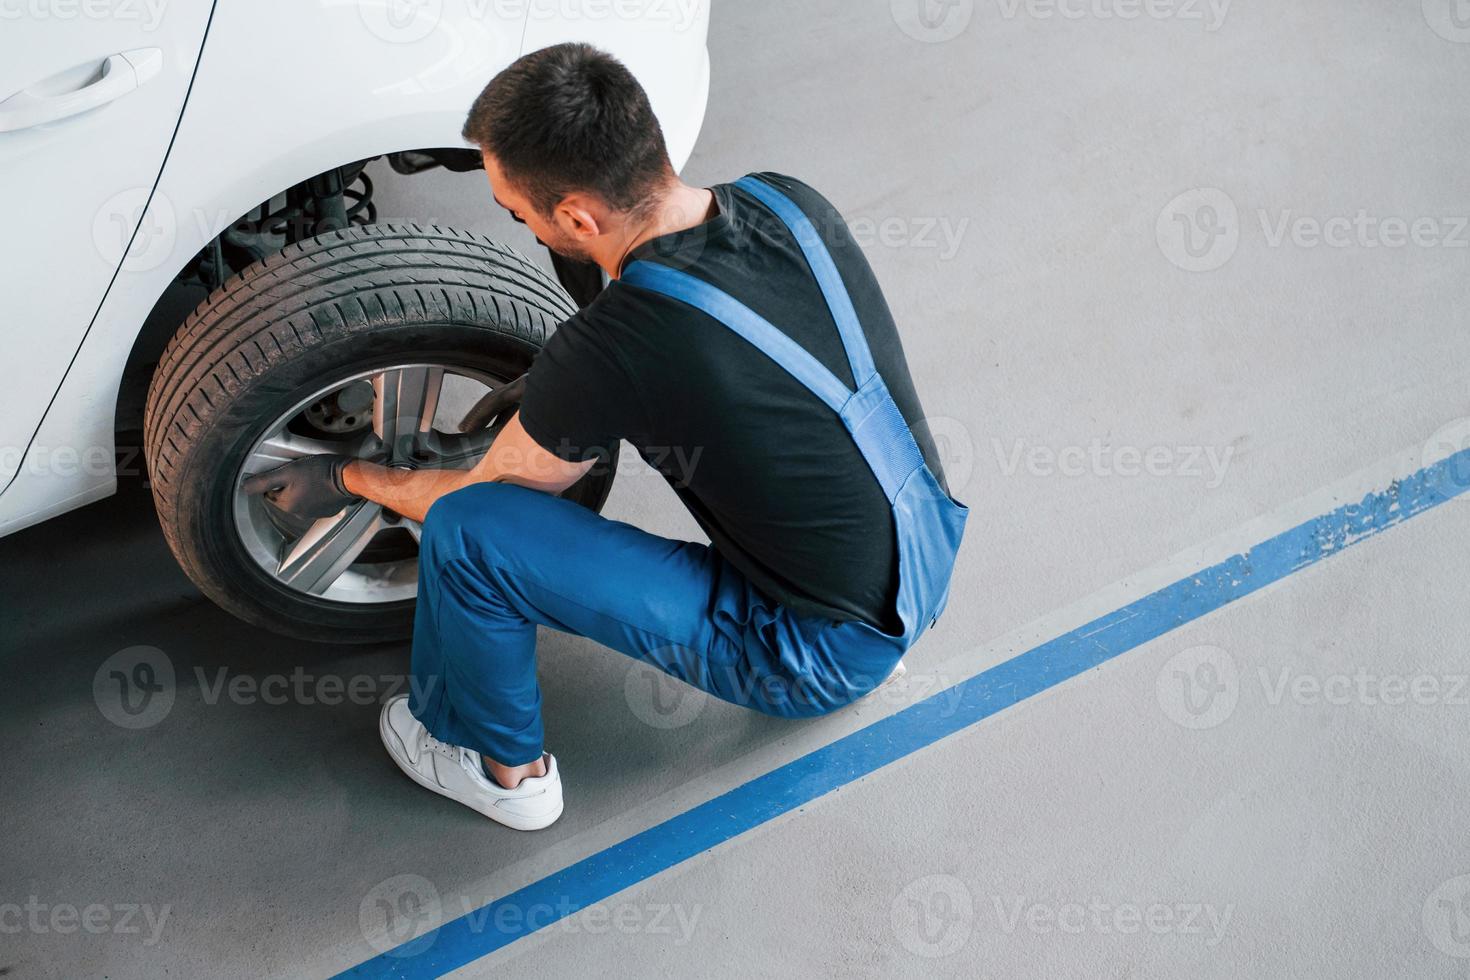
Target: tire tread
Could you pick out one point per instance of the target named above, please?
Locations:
(315, 293)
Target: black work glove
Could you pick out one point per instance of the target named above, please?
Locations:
(310, 487)
(495, 407)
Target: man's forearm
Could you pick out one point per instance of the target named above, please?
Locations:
(409, 493)
(514, 457)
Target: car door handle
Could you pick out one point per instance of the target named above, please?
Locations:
(121, 73)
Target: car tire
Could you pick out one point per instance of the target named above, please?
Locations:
(332, 309)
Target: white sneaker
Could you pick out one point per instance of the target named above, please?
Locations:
(456, 772)
(893, 677)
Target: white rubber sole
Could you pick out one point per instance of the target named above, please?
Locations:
(898, 671)
(514, 821)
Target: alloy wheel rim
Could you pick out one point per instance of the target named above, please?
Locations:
(364, 554)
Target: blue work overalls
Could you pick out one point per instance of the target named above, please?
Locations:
(496, 560)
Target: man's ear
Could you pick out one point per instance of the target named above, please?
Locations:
(581, 216)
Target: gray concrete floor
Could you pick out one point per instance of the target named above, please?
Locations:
(1040, 156)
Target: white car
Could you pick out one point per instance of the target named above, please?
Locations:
(148, 142)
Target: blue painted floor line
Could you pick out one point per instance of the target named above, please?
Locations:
(609, 871)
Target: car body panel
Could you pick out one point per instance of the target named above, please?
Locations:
(75, 187)
(368, 82)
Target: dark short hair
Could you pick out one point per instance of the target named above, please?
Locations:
(572, 118)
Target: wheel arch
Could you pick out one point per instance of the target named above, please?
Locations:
(173, 301)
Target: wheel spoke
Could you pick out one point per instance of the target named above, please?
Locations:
(404, 408)
(284, 447)
(329, 546)
(347, 557)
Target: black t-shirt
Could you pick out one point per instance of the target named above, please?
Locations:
(764, 466)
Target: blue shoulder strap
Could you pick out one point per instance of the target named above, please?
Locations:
(859, 358)
(755, 328)
(744, 321)
(869, 412)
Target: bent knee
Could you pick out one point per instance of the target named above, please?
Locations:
(484, 521)
(469, 515)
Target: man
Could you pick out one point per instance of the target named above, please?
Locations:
(745, 349)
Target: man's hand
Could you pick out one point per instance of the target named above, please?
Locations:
(320, 486)
(310, 487)
(495, 407)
